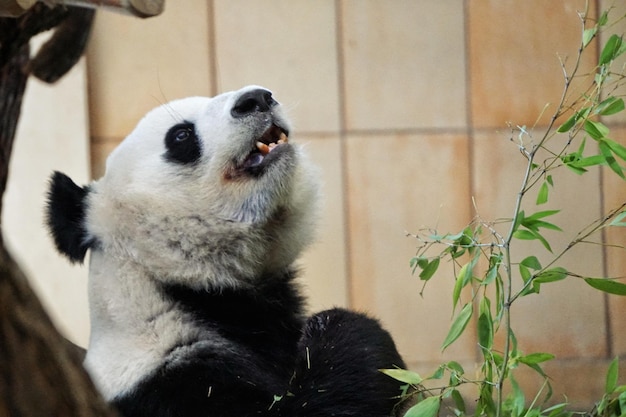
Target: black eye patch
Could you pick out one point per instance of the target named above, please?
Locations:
(182, 144)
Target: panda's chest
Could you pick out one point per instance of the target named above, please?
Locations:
(118, 362)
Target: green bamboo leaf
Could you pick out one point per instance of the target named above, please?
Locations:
(542, 214)
(588, 35)
(526, 276)
(617, 148)
(532, 235)
(612, 376)
(455, 367)
(458, 401)
(610, 50)
(492, 273)
(485, 330)
(518, 220)
(535, 358)
(596, 130)
(517, 400)
(458, 326)
(589, 161)
(538, 224)
(551, 275)
(456, 292)
(556, 410)
(428, 407)
(456, 371)
(534, 224)
(543, 241)
(438, 374)
(463, 278)
(531, 262)
(604, 18)
(429, 269)
(574, 168)
(607, 285)
(403, 375)
(524, 235)
(617, 221)
(542, 196)
(610, 160)
(610, 106)
(568, 124)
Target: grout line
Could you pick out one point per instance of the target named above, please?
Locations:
(212, 48)
(469, 129)
(603, 237)
(469, 122)
(348, 271)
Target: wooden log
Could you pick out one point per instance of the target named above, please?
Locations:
(15, 8)
(139, 8)
(41, 373)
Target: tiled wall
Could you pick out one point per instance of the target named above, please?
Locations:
(404, 105)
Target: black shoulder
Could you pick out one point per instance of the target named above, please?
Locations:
(65, 217)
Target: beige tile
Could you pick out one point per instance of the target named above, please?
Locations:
(287, 46)
(135, 65)
(567, 318)
(100, 150)
(404, 64)
(401, 183)
(513, 58)
(324, 264)
(614, 196)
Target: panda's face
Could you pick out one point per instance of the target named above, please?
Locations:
(205, 186)
(219, 154)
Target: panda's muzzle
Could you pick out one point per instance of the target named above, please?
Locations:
(264, 147)
(257, 106)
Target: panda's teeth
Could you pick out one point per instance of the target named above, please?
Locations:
(263, 148)
(282, 138)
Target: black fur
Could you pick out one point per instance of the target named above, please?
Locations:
(182, 144)
(259, 100)
(65, 216)
(281, 367)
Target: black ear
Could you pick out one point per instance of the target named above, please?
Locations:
(66, 217)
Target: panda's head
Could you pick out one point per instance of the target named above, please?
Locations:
(206, 191)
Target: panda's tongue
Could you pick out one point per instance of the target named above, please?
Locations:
(254, 160)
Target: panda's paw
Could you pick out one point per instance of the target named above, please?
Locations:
(338, 368)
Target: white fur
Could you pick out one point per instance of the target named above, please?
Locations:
(158, 221)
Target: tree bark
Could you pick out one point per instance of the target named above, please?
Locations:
(41, 373)
(12, 85)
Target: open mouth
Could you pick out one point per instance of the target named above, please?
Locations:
(271, 139)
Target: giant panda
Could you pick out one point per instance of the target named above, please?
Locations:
(193, 232)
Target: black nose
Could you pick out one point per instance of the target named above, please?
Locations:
(258, 100)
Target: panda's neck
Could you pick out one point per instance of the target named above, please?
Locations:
(138, 321)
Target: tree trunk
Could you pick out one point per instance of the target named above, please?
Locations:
(41, 373)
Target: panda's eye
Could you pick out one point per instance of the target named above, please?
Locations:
(182, 144)
(181, 135)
